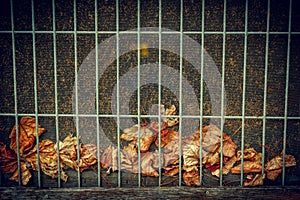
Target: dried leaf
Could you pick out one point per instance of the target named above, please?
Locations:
(147, 162)
(226, 168)
(129, 158)
(8, 160)
(92, 149)
(129, 161)
(27, 135)
(171, 110)
(256, 181)
(191, 158)
(166, 137)
(171, 121)
(212, 168)
(173, 145)
(249, 167)
(276, 162)
(109, 158)
(273, 174)
(210, 138)
(68, 151)
(87, 158)
(25, 174)
(147, 136)
(249, 154)
(229, 164)
(213, 157)
(171, 158)
(191, 178)
(229, 147)
(171, 170)
(154, 126)
(48, 159)
(274, 167)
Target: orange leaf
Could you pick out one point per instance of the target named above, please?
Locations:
(147, 136)
(191, 178)
(68, 152)
(25, 174)
(27, 134)
(87, 158)
(256, 181)
(8, 159)
(48, 159)
(166, 137)
(249, 167)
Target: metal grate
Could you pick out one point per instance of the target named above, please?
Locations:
(265, 81)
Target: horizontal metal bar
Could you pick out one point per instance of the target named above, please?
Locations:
(152, 32)
(162, 116)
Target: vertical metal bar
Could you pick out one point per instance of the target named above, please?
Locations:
(15, 88)
(244, 92)
(97, 95)
(222, 93)
(159, 93)
(201, 91)
(56, 93)
(265, 90)
(35, 93)
(118, 93)
(138, 95)
(76, 92)
(286, 94)
(180, 94)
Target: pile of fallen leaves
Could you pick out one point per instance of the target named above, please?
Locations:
(48, 151)
(66, 152)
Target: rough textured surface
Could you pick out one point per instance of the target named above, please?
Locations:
(151, 193)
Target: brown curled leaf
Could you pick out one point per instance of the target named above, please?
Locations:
(8, 160)
(256, 181)
(87, 158)
(273, 174)
(109, 158)
(129, 161)
(191, 158)
(27, 135)
(274, 167)
(48, 159)
(129, 158)
(68, 151)
(154, 126)
(147, 162)
(212, 158)
(167, 136)
(171, 170)
(171, 158)
(226, 168)
(211, 135)
(249, 154)
(276, 162)
(191, 178)
(92, 149)
(229, 147)
(25, 174)
(147, 136)
(249, 167)
(169, 121)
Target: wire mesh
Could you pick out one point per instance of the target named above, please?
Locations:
(262, 93)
